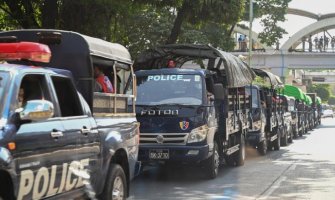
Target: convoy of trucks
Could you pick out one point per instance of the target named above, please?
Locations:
(179, 104)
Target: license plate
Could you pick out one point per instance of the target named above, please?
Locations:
(159, 154)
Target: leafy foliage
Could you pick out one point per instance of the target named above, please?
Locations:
(261, 81)
(271, 12)
(141, 24)
(331, 100)
(144, 28)
(322, 90)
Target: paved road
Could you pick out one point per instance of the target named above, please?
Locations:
(302, 170)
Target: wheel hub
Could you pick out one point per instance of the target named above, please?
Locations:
(118, 189)
(216, 161)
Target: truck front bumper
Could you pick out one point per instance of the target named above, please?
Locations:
(180, 154)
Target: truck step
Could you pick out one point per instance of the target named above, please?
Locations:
(273, 138)
(233, 149)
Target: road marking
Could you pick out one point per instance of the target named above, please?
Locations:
(275, 185)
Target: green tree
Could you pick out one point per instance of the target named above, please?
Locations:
(224, 13)
(144, 27)
(270, 12)
(197, 12)
(147, 26)
(24, 12)
(322, 90)
(331, 100)
(141, 24)
(93, 18)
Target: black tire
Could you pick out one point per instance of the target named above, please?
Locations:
(116, 184)
(290, 140)
(284, 140)
(302, 131)
(276, 142)
(212, 163)
(238, 157)
(295, 131)
(262, 147)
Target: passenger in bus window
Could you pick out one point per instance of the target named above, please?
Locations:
(103, 84)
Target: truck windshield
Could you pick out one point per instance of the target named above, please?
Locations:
(3, 82)
(169, 89)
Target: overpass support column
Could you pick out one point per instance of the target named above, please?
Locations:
(283, 66)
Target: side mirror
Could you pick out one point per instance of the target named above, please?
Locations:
(36, 110)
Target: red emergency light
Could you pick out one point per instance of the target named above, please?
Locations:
(25, 51)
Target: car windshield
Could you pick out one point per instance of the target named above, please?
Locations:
(169, 89)
(3, 83)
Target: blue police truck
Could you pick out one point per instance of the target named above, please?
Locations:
(192, 106)
(56, 133)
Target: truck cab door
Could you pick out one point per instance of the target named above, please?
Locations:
(40, 151)
(80, 130)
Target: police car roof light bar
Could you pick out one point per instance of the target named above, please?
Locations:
(25, 51)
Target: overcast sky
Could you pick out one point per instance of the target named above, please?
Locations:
(294, 23)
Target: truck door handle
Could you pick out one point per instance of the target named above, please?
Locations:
(85, 130)
(56, 134)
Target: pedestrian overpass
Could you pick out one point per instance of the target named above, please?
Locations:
(280, 60)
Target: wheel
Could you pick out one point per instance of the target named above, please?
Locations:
(116, 184)
(302, 130)
(276, 142)
(295, 131)
(290, 140)
(212, 163)
(262, 147)
(237, 158)
(284, 140)
(241, 152)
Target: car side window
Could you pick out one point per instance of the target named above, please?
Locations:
(68, 100)
(33, 87)
(122, 100)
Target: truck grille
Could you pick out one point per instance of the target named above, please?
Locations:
(163, 138)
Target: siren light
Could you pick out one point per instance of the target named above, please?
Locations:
(25, 51)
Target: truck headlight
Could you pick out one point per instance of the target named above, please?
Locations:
(198, 134)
